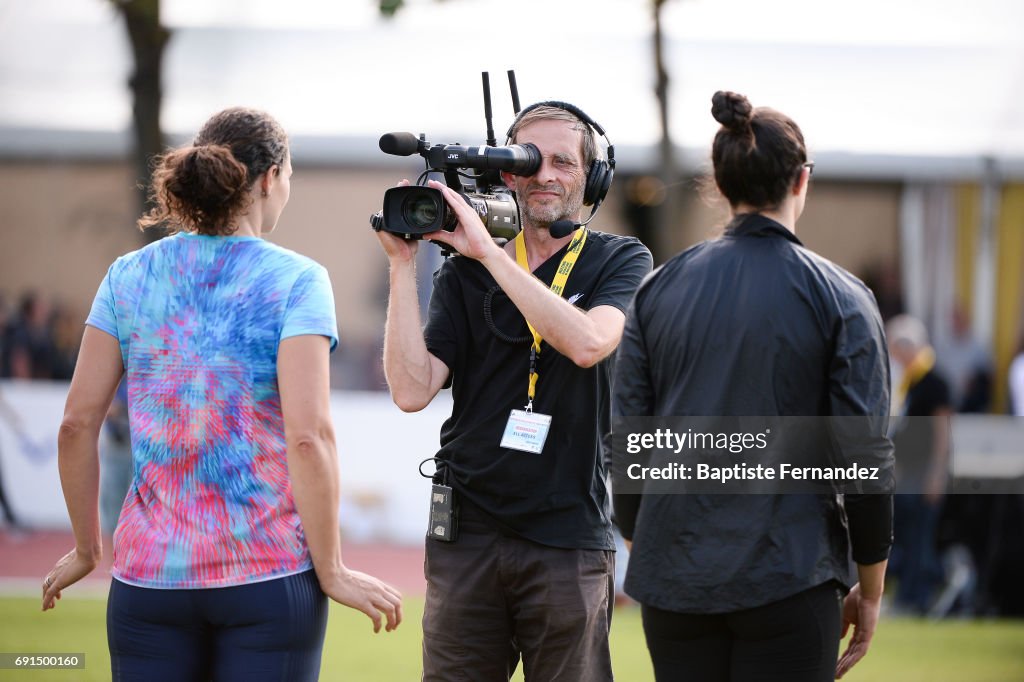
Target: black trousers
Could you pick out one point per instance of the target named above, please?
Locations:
(493, 597)
(792, 640)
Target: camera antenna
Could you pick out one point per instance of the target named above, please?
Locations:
(514, 90)
(491, 140)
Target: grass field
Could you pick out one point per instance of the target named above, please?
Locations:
(904, 650)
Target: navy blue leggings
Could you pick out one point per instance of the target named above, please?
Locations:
(272, 630)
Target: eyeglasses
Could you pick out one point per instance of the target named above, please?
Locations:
(810, 168)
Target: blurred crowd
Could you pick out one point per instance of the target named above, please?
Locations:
(39, 337)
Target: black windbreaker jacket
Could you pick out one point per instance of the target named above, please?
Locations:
(751, 323)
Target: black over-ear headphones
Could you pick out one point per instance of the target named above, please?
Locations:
(599, 175)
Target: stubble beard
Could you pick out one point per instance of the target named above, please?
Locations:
(567, 207)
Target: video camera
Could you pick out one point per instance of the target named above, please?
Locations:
(416, 210)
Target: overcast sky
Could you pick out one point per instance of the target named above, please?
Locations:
(876, 76)
(801, 21)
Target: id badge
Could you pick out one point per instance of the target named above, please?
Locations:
(526, 431)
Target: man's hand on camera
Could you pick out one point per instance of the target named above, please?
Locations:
(398, 250)
(470, 237)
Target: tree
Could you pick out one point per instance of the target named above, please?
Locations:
(389, 7)
(148, 38)
(668, 172)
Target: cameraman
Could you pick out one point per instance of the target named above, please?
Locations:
(530, 569)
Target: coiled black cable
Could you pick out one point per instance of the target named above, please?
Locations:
(489, 319)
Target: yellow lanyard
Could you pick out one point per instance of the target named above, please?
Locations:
(557, 286)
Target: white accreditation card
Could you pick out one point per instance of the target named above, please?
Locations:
(526, 431)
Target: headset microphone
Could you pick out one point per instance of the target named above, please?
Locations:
(563, 228)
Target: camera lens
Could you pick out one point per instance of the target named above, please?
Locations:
(420, 210)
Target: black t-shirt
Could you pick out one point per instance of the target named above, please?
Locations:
(927, 396)
(558, 497)
(914, 437)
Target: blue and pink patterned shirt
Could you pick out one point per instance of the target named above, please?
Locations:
(199, 320)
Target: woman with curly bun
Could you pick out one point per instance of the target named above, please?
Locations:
(227, 545)
(756, 586)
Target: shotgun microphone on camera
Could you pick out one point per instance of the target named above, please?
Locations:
(400, 144)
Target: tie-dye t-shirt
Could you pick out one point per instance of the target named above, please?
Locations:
(199, 319)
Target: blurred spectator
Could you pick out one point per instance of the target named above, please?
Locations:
(967, 365)
(116, 466)
(66, 336)
(1016, 377)
(921, 439)
(28, 346)
(883, 278)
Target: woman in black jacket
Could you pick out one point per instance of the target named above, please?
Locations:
(745, 586)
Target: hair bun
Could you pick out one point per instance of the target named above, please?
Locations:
(207, 153)
(206, 176)
(731, 110)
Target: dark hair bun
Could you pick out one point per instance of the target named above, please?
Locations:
(758, 154)
(209, 174)
(203, 186)
(731, 110)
